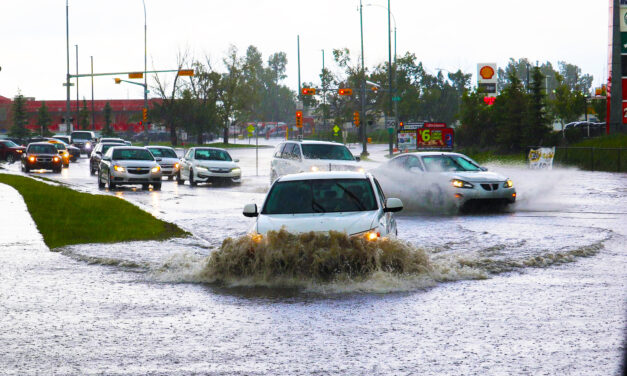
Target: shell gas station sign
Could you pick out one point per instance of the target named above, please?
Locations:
(486, 80)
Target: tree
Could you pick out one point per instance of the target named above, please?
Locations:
(510, 114)
(20, 117)
(537, 128)
(107, 130)
(166, 110)
(567, 105)
(44, 119)
(83, 115)
(228, 90)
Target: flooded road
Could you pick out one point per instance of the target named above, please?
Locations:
(538, 289)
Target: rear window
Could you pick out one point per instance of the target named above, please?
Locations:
(322, 151)
(132, 155)
(320, 196)
(82, 136)
(42, 149)
(59, 146)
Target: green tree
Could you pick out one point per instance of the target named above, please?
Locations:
(569, 103)
(107, 130)
(510, 114)
(478, 128)
(20, 117)
(44, 119)
(537, 128)
(83, 115)
(229, 90)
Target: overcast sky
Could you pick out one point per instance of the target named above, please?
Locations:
(447, 34)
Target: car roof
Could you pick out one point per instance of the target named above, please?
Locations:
(316, 142)
(158, 146)
(208, 148)
(325, 175)
(427, 153)
(120, 146)
(40, 143)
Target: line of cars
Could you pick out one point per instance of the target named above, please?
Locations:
(319, 186)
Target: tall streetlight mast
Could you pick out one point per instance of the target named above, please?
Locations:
(364, 124)
(67, 76)
(145, 59)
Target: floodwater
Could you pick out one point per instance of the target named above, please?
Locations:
(540, 288)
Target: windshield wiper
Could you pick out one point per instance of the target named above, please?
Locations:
(352, 195)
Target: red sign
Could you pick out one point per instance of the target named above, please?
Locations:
(624, 112)
(489, 100)
(434, 125)
(439, 138)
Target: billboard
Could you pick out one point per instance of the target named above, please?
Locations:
(487, 78)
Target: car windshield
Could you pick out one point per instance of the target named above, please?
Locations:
(438, 163)
(323, 151)
(10, 144)
(81, 135)
(106, 147)
(42, 149)
(64, 139)
(212, 155)
(320, 196)
(163, 152)
(132, 155)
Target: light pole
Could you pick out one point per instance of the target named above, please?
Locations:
(145, 58)
(67, 76)
(78, 105)
(364, 150)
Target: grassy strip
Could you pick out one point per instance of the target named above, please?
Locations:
(604, 157)
(239, 145)
(483, 157)
(65, 217)
(616, 140)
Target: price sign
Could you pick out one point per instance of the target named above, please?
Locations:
(438, 138)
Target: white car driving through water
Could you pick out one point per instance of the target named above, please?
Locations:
(452, 176)
(208, 165)
(350, 202)
(291, 157)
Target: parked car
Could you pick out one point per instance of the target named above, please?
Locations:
(62, 150)
(452, 174)
(84, 140)
(292, 157)
(41, 155)
(170, 162)
(350, 202)
(96, 155)
(10, 151)
(127, 165)
(205, 165)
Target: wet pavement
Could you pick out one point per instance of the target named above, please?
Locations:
(539, 289)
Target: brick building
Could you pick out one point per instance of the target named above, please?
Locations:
(126, 114)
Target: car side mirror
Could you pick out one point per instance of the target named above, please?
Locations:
(236, 160)
(107, 158)
(358, 159)
(158, 159)
(393, 205)
(250, 210)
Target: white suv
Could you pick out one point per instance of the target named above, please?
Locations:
(291, 157)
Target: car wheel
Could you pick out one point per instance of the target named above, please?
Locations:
(171, 177)
(92, 171)
(179, 181)
(57, 170)
(156, 186)
(110, 185)
(144, 186)
(26, 169)
(10, 159)
(191, 178)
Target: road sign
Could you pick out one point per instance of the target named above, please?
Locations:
(396, 99)
(336, 129)
(250, 129)
(136, 75)
(71, 84)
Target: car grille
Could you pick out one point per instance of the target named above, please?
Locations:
(138, 170)
(44, 159)
(490, 186)
(220, 170)
(166, 165)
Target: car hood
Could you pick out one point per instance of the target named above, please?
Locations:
(169, 160)
(216, 164)
(135, 163)
(331, 164)
(476, 176)
(351, 222)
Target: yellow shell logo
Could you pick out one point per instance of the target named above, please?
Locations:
(486, 72)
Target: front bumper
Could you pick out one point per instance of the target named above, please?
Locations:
(85, 148)
(43, 164)
(490, 191)
(208, 175)
(130, 178)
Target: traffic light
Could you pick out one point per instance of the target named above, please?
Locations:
(299, 119)
(308, 91)
(117, 80)
(356, 118)
(144, 114)
(401, 124)
(375, 89)
(345, 91)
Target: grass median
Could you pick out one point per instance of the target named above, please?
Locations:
(65, 216)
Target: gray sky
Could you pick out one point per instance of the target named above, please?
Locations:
(448, 34)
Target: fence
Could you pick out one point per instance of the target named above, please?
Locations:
(593, 159)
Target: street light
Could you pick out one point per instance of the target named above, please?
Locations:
(145, 58)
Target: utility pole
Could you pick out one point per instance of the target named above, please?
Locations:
(300, 96)
(391, 92)
(364, 123)
(78, 103)
(67, 76)
(145, 62)
(93, 113)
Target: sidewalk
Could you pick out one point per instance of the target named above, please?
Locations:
(17, 229)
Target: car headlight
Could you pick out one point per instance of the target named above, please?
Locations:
(176, 165)
(56, 159)
(314, 169)
(372, 235)
(88, 145)
(201, 168)
(461, 184)
(508, 184)
(257, 238)
(118, 168)
(236, 170)
(155, 169)
(32, 159)
(361, 169)
(19, 151)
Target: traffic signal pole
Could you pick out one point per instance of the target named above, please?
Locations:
(391, 93)
(364, 151)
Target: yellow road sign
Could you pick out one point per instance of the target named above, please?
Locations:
(136, 75)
